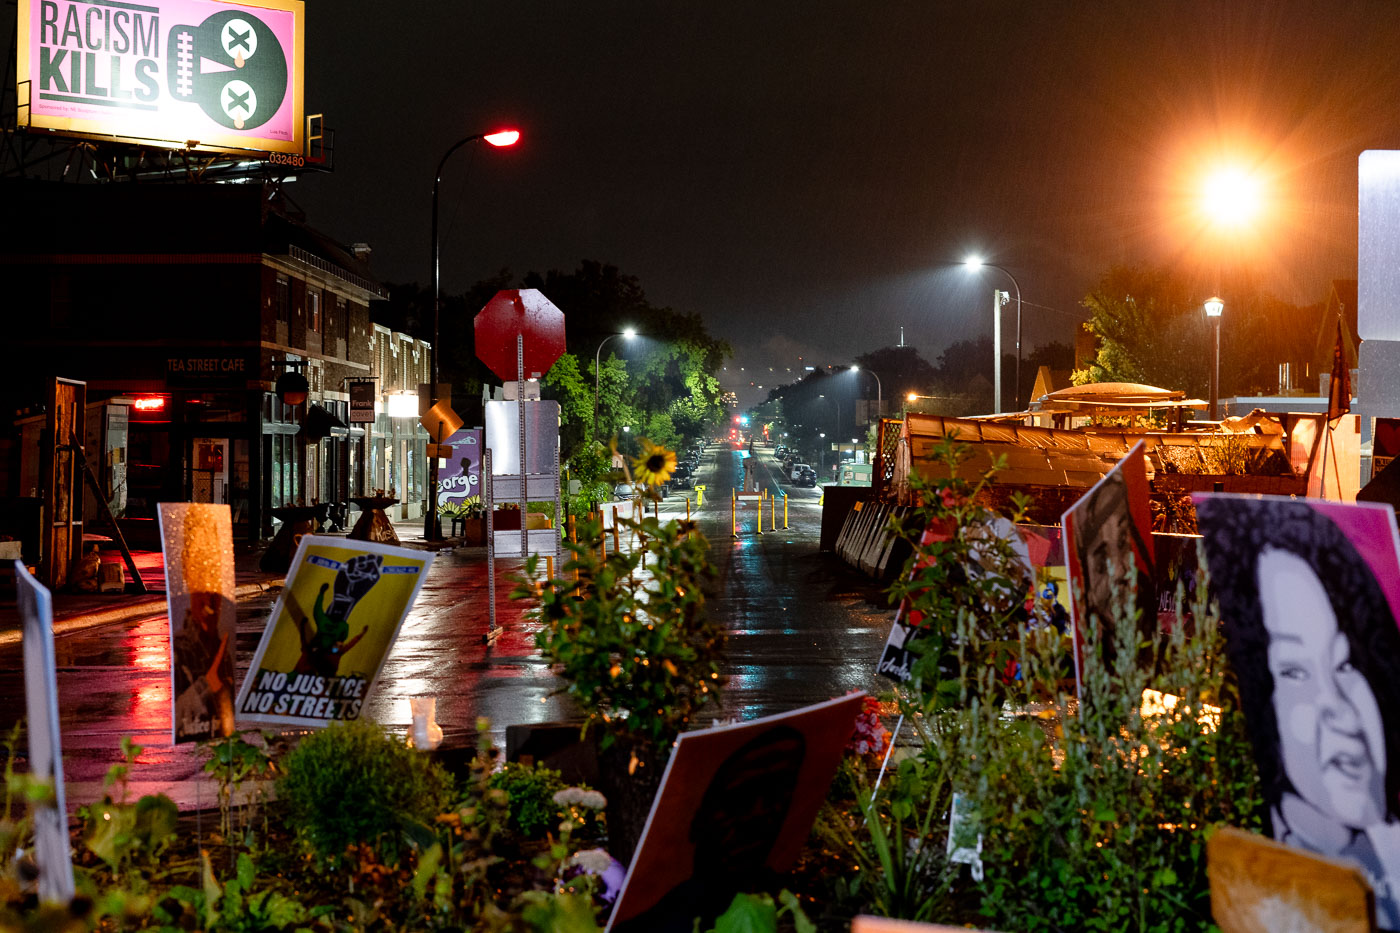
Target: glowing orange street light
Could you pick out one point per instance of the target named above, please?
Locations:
(1232, 197)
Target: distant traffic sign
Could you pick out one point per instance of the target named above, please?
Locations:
(513, 312)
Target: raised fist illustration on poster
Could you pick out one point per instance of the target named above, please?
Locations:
(322, 651)
(352, 582)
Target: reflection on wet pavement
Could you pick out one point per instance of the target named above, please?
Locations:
(803, 628)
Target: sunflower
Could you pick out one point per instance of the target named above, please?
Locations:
(655, 465)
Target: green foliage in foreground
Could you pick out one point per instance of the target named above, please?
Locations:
(353, 784)
(531, 790)
(1093, 813)
(640, 657)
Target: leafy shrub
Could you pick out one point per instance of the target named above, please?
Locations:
(353, 784)
(531, 790)
(1093, 810)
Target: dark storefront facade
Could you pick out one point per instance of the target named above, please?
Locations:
(179, 306)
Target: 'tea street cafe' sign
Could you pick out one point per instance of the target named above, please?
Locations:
(201, 73)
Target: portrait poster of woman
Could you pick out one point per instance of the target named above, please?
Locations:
(1309, 595)
(1108, 530)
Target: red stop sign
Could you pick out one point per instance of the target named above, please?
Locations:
(519, 311)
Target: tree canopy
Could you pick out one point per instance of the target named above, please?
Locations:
(1151, 328)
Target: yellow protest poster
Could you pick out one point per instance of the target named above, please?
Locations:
(330, 631)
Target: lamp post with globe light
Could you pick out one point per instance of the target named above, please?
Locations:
(1214, 308)
(498, 139)
(628, 334)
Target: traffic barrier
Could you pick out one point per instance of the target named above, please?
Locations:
(734, 512)
(785, 518)
(865, 541)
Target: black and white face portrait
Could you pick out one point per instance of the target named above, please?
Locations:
(1311, 634)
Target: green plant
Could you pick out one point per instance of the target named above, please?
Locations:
(531, 790)
(353, 784)
(757, 913)
(903, 870)
(967, 574)
(237, 906)
(121, 833)
(232, 761)
(637, 653)
(1093, 809)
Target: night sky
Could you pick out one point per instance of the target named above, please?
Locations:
(797, 172)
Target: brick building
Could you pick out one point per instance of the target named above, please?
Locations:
(178, 307)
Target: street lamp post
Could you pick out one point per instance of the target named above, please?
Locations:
(498, 139)
(879, 390)
(974, 263)
(629, 333)
(1214, 308)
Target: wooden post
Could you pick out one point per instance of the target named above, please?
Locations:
(573, 539)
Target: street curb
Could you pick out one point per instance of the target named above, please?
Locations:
(141, 608)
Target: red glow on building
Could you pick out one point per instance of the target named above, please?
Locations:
(149, 403)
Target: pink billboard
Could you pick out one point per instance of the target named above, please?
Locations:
(198, 73)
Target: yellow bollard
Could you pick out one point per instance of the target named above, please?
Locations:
(733, 514)
(772, 513)
(687, 508)
(785, 521)
(699, 495)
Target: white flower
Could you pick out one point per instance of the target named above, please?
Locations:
(578, 797)
(567, 797)
(593, 861)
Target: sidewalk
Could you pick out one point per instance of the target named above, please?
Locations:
(75, 611)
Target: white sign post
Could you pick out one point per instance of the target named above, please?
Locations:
(45, 747)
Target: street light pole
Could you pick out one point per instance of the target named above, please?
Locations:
(498, 139)
(974, 263)
(1214, 308)
(629, 333)
(879, 390)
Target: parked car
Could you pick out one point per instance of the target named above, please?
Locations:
(808, 477)
(797, 469)
(625, 491)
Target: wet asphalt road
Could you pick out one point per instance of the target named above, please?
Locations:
(803, 628)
